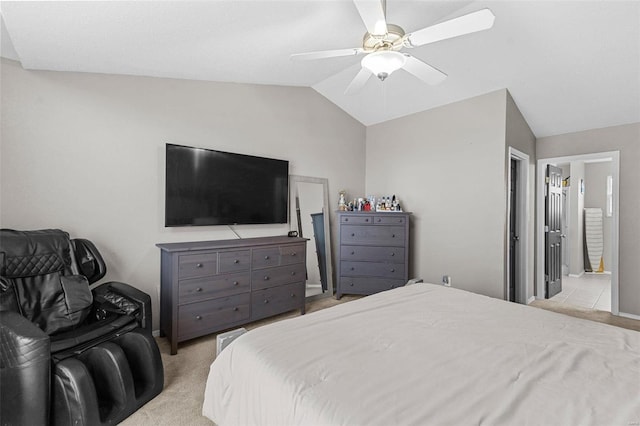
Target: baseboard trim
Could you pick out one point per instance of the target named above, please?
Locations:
(155, 333)
(577, 275)
(531, 299)
(631, 316)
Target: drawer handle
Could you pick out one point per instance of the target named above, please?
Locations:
(199, 289)
(266, 301)
(235, 309)
(353, 252)
(346, 219)
(379, 220)
(393, 270)
(293, 273)
(351, 284)
(236, 261)
(366, 220)
(266, 257)
(266, 278)
(353, 235)
(393, 254)
(353, 268)
(236, 283)
(293, 254)
(393, 235)
(293, 295)
(198, 317)
(198, 265)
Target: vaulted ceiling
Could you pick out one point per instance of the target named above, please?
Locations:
(569, 65)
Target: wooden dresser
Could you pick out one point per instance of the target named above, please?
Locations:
(373, 252)
(210, 286)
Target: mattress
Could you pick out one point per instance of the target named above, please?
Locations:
(426, 354)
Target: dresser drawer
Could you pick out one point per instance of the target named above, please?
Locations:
(197, 265)
(372, 254)
(272, 277)
(389, 220)
(276, 300)
(196, 318)
(356, 219)
(372, 269)
(206, 286)
(276, 256)
(372, 235)
(292, 254)
(362, 285)
(233, 261)
(197, 289)
(266, 257)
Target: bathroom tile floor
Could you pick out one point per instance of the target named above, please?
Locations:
(588, 291)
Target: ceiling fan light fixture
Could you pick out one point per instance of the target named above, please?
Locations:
(383, 63)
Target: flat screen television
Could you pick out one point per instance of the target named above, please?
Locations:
(209, 187)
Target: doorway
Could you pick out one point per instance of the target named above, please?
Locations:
(517, 227)
(573, 266)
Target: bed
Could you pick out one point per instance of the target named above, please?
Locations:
(426, 354)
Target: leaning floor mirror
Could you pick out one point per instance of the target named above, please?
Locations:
(309, 202)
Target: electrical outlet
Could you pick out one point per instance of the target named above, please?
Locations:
(446, 280)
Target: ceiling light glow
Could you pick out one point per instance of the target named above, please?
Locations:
(383, 63)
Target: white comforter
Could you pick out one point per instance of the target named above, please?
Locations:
(428, 355)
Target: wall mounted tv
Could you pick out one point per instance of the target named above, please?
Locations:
(208, 187)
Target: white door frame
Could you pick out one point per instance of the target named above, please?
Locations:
(522, 220)
(541, 167)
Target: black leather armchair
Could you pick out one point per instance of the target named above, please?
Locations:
(70, 355)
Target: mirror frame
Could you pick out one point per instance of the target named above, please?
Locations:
(293, 225)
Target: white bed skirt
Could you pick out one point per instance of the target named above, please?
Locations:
(428, 355)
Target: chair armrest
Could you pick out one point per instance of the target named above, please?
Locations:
(25, 371)
(129, 299)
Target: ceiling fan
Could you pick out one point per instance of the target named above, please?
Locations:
(383, 41)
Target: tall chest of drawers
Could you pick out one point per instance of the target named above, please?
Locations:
(209, 286)
(373, 252)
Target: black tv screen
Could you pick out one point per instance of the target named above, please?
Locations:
(208, 187)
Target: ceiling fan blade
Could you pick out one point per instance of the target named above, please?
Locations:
(466, 24)
(358, 82)
(423, 71)
(372, 14)
(322, 54)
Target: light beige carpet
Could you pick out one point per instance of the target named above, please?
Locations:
(180, 403)
(185, 374)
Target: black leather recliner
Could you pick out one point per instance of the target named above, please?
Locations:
(70, 355)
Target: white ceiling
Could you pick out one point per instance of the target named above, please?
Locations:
(569, 65)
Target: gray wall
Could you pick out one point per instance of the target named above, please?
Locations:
(626, 139)
(447, 166)
(85, 153)
(520, 137)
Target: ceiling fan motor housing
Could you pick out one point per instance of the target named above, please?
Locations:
(392, 40)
